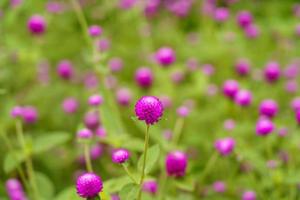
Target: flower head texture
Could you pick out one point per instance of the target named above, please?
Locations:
(176, 163)
(89, 185)
(36, 24)
(120, 156)
(144, 77)
(150, 186)
(149, 109)
(230, 88)
(165, 56)
(225, 146)
(268, 108)
(264, 127)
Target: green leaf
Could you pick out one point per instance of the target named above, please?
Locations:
(44, 186)
(68, 194)
(12, 160)
(129, 192)
(49, 141)
(151, 160)
(116, 184)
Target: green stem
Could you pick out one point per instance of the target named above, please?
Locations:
(178, 130)
(129, 174)
(87, 157)
(209, 166)
(144, 162)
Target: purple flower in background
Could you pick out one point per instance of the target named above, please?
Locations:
(291, 86)
(179, 7)
(243, 98)
(229, 124)
(167, 134)
(84, 134)
(242, 67)
(208, 69)
(95, 100)
(150, 186)
(151, 7)
(176, 163)
(225, 146)
(115, 64)
(89, 185)
(100, 132)
(16, 111)
(15, 3)
(264, 127)
(166, 101)
(149, 109)
(127, 4)
(90, 80)
(36, 25)
(120, 155)
(144, 77)
(55, 7)
(291, 71)
(252, 31)
(114, 197)
(268, 108)
(123, 96)
(272, 164)
(70, 105)
(65, 69)
(91, 120)
(244, 19)
(272, 71)
(15, 190)
(165, 56)
(183, 111)
(103, 44)
(29, 114)
(95, 31)
(230, 88)
(211, 90)
(219, 186)
(249, 195)
(192, 64)
(297, 30)
(96, 151)
(295, 104)
(282, 132)
(177, 77)
(298, 116)
(221, 14)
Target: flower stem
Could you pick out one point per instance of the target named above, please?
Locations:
(209, 166)
(28, 161)
(129, 174)
(87, 157)
(144, 162)
(178, 130)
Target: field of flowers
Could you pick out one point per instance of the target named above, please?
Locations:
(149, 99)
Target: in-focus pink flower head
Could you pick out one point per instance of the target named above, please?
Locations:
(150, 186)
(124, 96)
(268, 108)
(100, 132)
(16, 111)
(179, 8)
(219, 186)
(165, 56)
(208, 69)
(95, 31)
(120, 156)
(176, 163)
(144, 77)
(29, 114)
(96, 151)
(183, 111)
(55, 7)
(291, 86)
(225, 146)
(243, 98)
(230, 88)
(295, 104)
(149, 109)
(37, 24)
(127, 4)
(244, 18)
(84, 134)
(89, 185)
(252, 31)
(229, 124)
(103, 44)
(221, 14)
(272, 71)
(70, 105)
(95, 100)
(91, 120)
(115, 64)
(283, 131)
(249, 195)
(177, 76)
(242, 67)
(166, 101)
(65, 69)
(264, 127)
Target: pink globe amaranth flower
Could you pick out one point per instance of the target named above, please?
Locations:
(296, 10)
(89, 185)
(123, 96)
(192, 64)
(100, 132)
(252, 31)
(149, 109)
(243, 98)
(15, 190)
(70, 105)
(115, 64)
(144, 77)
(183, 111)
(150, 186)
(65, 69)
(272, 72)
(295, 104)
(272, 164)
(127, 4)
(208, 69)
(242, 67)
(114, 197)
(179, 8)
(55, 7)
(297, 30)
(244, 19)
(166, 101)
(298, 116)
(167, 134)
(90, 80)
(91, 120)
(230, 88)
(211, 90)
(95, 100)
(96, 151)
(291, 71)
(16, 111)
(103, 44)
(221, 14)
(177, 77)
(268, 108)
(151, 8)
(249, 195)
(176, 163)
(291, 86)
(282, 132)
(15, 3)
(36, 25)
(84, 134)
(219, 186)
(165, 56)
(229, 124)
(120, 155)
(264, 127)
(29, 114)
(225, 146)
(111, 82)
(95, 31)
